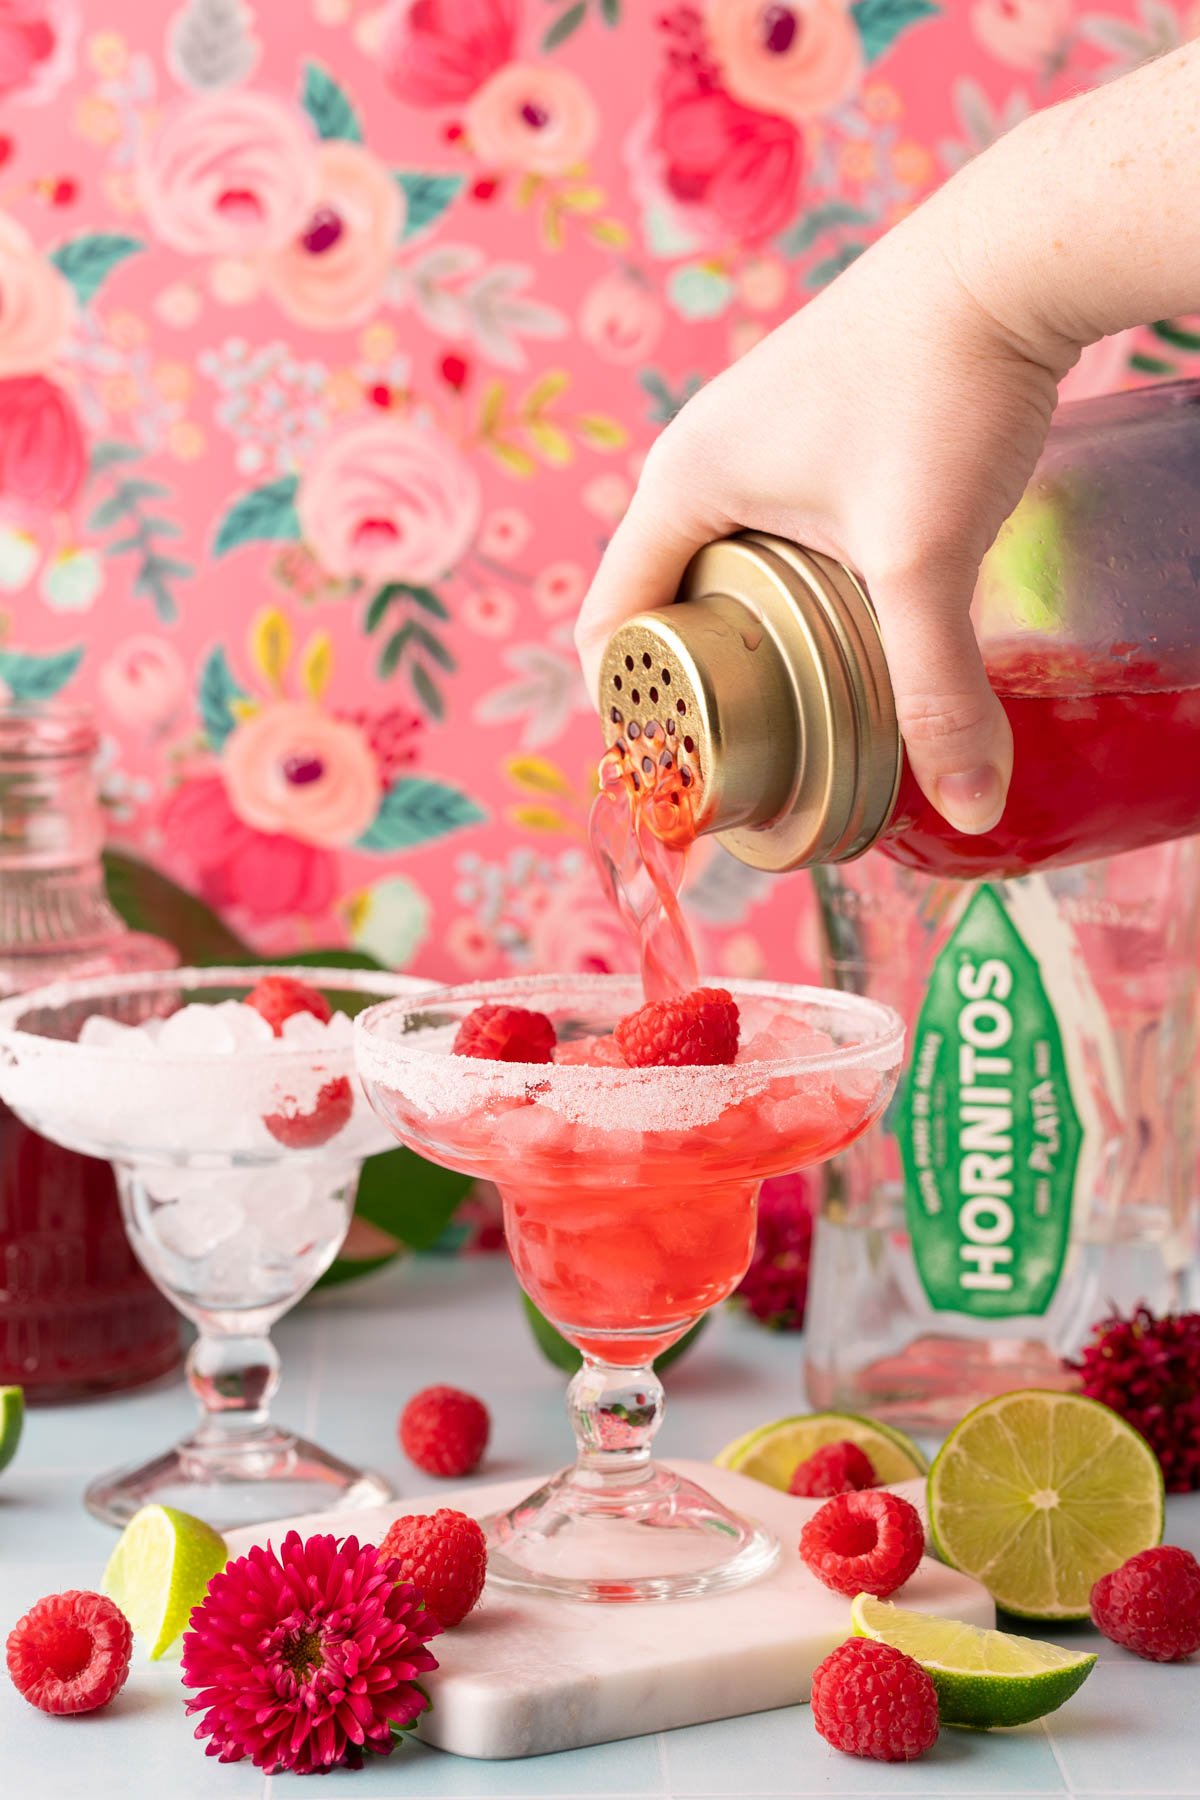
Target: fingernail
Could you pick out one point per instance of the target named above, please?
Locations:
(972, 802)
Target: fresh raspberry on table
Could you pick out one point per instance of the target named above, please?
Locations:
(298, 1130)
(774, 1289)
(445, 1555)
(700, 1027)
(444, 1431)
(280, 997)
(70, 1653)
(506, 1034)
(1151, 1604)
(841, 1468)
(864, 1543)
(871, 1700)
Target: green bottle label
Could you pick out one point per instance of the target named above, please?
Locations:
(989, 1133)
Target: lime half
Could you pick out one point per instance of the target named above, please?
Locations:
(163, 1562)
(771, 1453)
(12, 1419)
(983, 1678)
(1037, 1494)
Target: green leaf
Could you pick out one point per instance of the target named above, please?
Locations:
(1176, 335)
(86, 261)
(325, 959)
(377, 611)
(29, 677)
(610, 12)
(109, 451)
(555, 1348)
(426, 198)
(264, 515)
(805, 233)
(425, 598)
(1151, 365)
(416, 811)
(563, 27)
(218, 691)
(149, 901)
(413, 1200)
(822, 273)
(111, 512)
(328, 106)
(880, 22)
(393, 650)
(427, 690)
(433, 646)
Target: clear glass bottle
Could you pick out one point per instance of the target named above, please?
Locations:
(1038, 1163)
(78, 1315)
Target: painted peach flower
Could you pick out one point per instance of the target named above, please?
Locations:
(504, 534)
(531, 117)
(1025, 34)
(38, 39)
(796, 60)
(229, 174)
(559, 588)
(437, 52)
(621, 317)
(333, 273)
(490, 611)
(387, 501)
(43, 457)
(36, 305)
(292, 768)
(144, 682)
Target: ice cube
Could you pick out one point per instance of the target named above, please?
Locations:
(785, 1038)
(250, 1030)
(196, 1225)
(303, 1030)
(535, 1131)
(340, 1029)
(321, 1225)
(197, 1030)
(168, 1185)
(99, 1032)
(278, 1194)
(594, 1052)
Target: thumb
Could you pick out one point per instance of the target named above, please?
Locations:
(956, 734)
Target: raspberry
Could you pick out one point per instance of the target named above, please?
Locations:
(70, 1653)
(278, 997)
(774, 1289)
(443, 1554)
(506, 1034)
(864, 1543)
(833, 1469)
(1151, 1604)
(701, 1027)
(309, 1130)
(871, 1700)
(444, 1431)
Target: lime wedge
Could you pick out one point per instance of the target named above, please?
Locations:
(163, 1562)
(12, 1418)
(770, 1453)
(983, 1678)
(1037, 1494)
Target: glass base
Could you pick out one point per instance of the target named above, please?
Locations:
(652, 1535)
(237, 1480)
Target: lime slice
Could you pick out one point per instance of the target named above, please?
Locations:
(163, 1562)
(983, 1678)
(771, 1452)
(1037, 1494)
(12, 1418)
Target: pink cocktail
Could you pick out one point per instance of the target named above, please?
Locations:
(629, 1198)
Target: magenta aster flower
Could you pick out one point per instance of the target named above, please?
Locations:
(308, 1657)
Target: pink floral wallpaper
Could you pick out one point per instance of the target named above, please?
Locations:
(331, 338)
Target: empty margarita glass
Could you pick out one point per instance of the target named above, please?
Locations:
(237, 1156)
(629, 1206)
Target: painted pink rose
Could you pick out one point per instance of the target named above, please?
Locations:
(294, 769)
(144, 682)
(229, 174)
(798, 60)
(333, 273)
(37, 48)
(532, 117)
(387, 501)
(572, 926)
(437, 52)
(1025, 34)
(732, 172)
(621, 317)
(43, 457)
(235, 868)
(37, 308)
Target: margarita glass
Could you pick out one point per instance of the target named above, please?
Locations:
(237, 1157)
(629, 1204)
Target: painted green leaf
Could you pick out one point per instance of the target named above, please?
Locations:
(426, 198)
(30, 677)
(218, 691)
(565, 25)
(880, 22)
(264, 515)
(87, 261)
(328, 106)
(427, 691)
(805, 233)
(416, 811)
(610, 12)
(149, 901)
(107, 452)
(822, 273)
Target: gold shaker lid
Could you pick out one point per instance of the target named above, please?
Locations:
(771, 675)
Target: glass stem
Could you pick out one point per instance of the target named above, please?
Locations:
(614, 1413)
(233, 1378)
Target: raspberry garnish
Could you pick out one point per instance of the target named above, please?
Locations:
(444, 1431)
(445, 1555)
(871, 1700)
(700, 1027)
(1151, 1604)
(841, 1468)
(70, 1653)
(506, 1034)
(279, 997)
(309, 1130)
(864, 1543)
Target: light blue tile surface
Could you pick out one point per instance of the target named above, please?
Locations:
(351, 1357)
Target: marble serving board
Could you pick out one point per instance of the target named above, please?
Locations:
(525, 1675)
